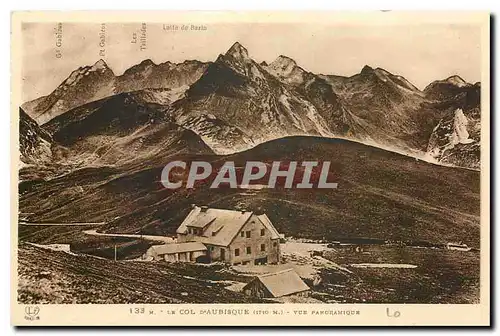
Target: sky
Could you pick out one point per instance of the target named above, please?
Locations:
(420, 53)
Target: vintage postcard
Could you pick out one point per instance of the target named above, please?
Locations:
(250, 168)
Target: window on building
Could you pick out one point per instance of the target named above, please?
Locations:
(262, 232)
(236, 252)
(243, 233)
(249, 250)
(262, 247)
(248, 234)
(275, 244)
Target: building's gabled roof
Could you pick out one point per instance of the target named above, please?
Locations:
(224, 223)
(282, 283)
(178, 248)
(267, 223)
(201, 222)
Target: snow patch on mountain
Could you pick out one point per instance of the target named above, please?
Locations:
(448, 134)
(460, 134)
(317, 120)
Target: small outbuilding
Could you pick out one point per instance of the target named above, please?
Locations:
(187, 252)
(275, 285)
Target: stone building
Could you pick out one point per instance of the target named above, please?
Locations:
(235, 237)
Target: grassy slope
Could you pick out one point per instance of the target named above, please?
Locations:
(57, 277)
(441, 276)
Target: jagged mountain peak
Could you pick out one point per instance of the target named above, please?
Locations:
(238, 60)
(238, 51)
(379, 75)
(100, 65)
(285, 68)
(139, 67)
(283, 62)
(367, 69)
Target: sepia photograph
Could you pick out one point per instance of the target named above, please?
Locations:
(251, 160)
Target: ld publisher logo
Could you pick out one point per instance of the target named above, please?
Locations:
(32, 313)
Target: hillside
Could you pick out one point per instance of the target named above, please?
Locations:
(381, 195)
(456, 139)
(83, 85)
(238, 92)
(35, 144)
(121, 129)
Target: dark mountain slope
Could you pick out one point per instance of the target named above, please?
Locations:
(317, 91)
(380, 195)
(122, 129)
(34, 142)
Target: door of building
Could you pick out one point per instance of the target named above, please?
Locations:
(261, 261)
(222, 254)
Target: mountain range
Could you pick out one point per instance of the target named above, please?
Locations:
(90, 83)
(235, 103)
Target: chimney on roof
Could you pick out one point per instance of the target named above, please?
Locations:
(204, 208)
(193, 205)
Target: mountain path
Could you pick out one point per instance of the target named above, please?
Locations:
(164, 239)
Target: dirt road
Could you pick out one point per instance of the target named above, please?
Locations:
(59, 224)
(166, 240)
